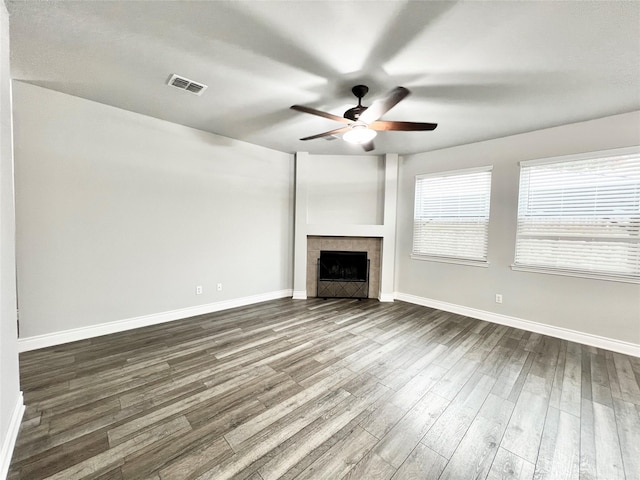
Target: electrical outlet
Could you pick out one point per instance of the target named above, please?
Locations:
(219, 287)
(498, 298)
(199, 290)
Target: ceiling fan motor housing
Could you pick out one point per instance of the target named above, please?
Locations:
(360, 91)
(354, 113)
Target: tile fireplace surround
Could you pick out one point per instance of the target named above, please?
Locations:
(371, 245)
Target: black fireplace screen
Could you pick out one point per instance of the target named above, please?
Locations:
(350, 266)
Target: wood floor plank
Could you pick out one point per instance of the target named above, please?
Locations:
(115, 456)
(570, 397)
(137, 425)
(341, 457)
(629, 388)
(332, 424)
(415, 389)
(450, 428)
(197, 461)
(371, 467)
(456, 377)
(515, 369)
(382, 419)
(267, 418)
(421, 463)
(628, 422)
(524, 431)
(263, 442)
(64, 456)
(600, 386)
(559, 454)
(156, 458)
(608, 452)
(476, 452)
(508, 466)
(400, 441)
(587, 442)
(336, 389)
(36, 446)
(397, 378)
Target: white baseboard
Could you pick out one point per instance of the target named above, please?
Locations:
(614, 345)
(386, 297)
(9, 441)
(73, 335)
(57, 338)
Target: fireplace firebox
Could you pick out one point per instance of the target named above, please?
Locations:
(343, 274)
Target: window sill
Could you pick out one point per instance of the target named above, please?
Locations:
(459, 261)
(570, 273)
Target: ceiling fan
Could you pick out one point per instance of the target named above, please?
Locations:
(363, 123)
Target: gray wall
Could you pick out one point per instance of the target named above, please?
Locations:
(10, 397)
(604, 308)
(121, 215)
(343, 189)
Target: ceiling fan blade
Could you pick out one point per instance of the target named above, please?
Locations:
(382, 106)
(367, 147)
(382, 125)
(326, 134)
(313, 111)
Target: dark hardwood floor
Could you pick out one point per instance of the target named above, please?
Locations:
(333, 389)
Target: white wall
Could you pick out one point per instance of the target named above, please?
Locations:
(120, 215)
(602, 308)
(11, 407)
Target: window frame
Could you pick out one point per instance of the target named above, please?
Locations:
(461, 260)
(571, 272)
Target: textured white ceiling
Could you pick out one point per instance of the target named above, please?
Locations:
(481, 70)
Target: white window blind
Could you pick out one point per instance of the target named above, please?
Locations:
(581, 216)
(451, 215)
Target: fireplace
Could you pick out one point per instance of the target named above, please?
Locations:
(367, 253)
(343, 274)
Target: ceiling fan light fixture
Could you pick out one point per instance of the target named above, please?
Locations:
(359, 134)
(362, 123)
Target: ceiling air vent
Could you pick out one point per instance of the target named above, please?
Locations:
(186, 84)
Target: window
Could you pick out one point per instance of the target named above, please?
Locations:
(451, 216)
(580, 215)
